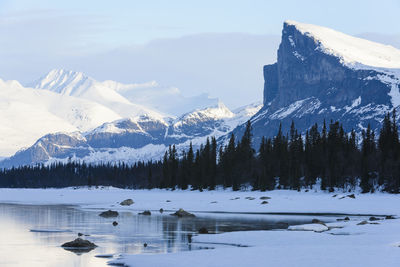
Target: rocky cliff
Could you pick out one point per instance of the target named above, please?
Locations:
(322, 74)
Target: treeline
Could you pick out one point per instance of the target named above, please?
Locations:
(328, 156)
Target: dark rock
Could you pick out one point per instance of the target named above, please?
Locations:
(79, 243)
(362, 223)
(250, 198)
(145, 245)
(203, 230)
(264, 202)
(372, 218)
(168, 201)
(213, 202)
(317, 221)
(284, 225)
(115, 223)
(109, 214)
(80, 234)
(127, 202)
(264, 198)
(146, 212)
(161, 210)
(182, 213)
(351, 196)
(390, 217)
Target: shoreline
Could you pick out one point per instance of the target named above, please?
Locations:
(374, 244)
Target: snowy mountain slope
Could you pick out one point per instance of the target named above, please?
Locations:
(354, 52)
(27, 114)
(133, 139)
(322, 74)
(129, 100)
(79, 85)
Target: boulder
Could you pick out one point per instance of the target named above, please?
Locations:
(127, 202)
(182, 213)
(264, 198)
(146, 212)
(264, 202)
(250, 198)
(390, 217)
(115, 223)
(79, 243)
(317, 221)
(362, 223)
(109, 214)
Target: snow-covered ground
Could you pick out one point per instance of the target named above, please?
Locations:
(344, 244)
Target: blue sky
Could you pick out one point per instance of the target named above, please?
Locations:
(42, 34)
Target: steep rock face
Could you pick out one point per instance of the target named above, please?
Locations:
(322, 75)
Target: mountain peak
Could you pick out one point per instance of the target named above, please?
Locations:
(61, 81)
(353, 52)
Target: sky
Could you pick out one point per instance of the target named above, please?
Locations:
(216, 47)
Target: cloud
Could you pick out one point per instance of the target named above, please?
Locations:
(227, 66)
(389, 39)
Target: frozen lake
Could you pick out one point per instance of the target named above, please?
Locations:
(53, 225)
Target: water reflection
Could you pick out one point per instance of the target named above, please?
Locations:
(55, 225)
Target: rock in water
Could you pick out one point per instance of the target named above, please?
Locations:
(115, 223)
(146, 212)
(264, 202)
(161, 210)
(182, 213)
(79, 243)
(264, 198)
(127, 202)
(372, 218)
(362, 223)
(109, 214)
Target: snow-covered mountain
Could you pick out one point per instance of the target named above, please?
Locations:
(128, 100)
(324, 74)
(27, 114)
(133, 139)
(68, 114)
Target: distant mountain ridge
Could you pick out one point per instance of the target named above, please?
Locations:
(136, 99)
(133, 139)
(69, 114)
